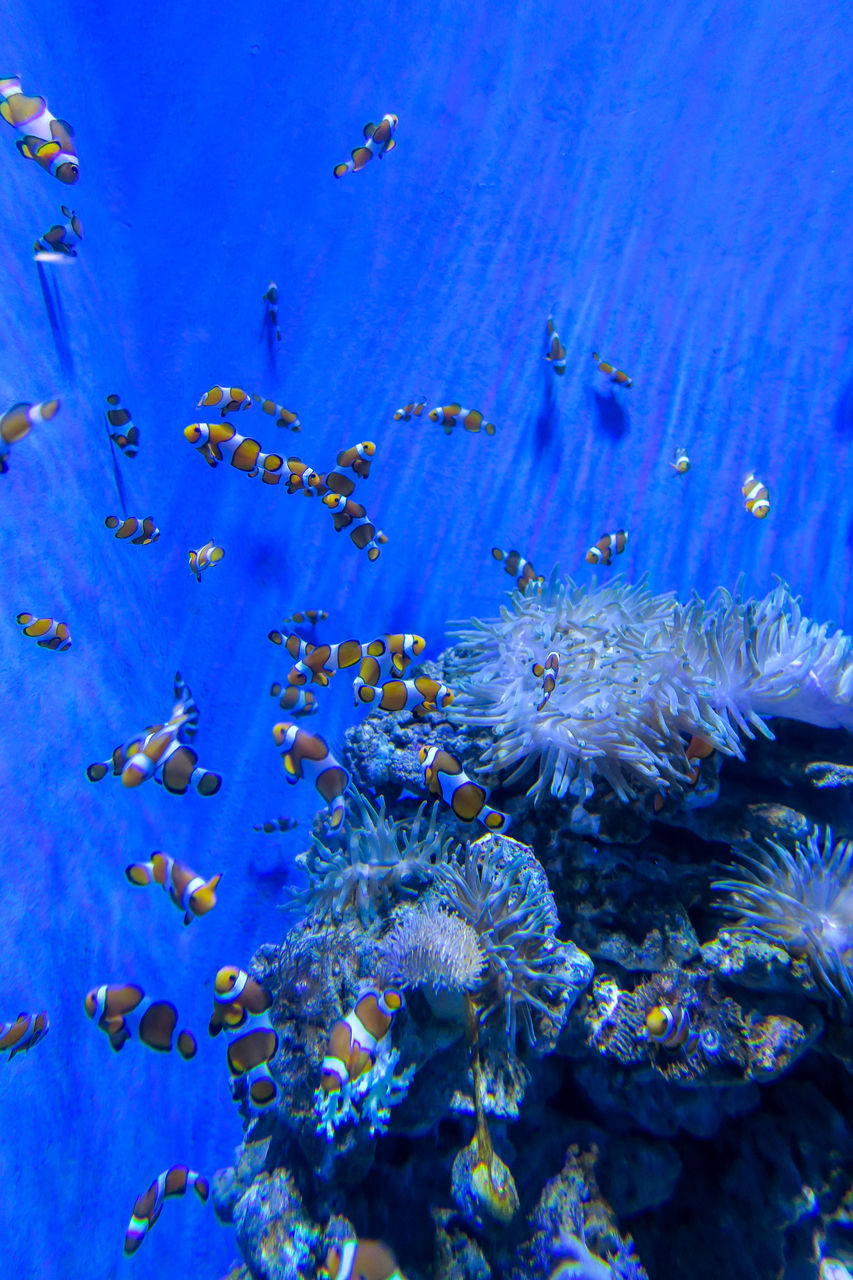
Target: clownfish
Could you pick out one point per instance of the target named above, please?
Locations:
(175, 1181)
(409, 411)
(453, 415)
(217, 442)
(145, 530)
(356, 458)
(517, 567)
(204, 557)
(420, 696)
(307, 617)
(45, 139)
(277, 824)
(615, 375)
(127, 437)
(59, 243)
(556, 351)
(271, 299)
(378, 139)
(445, 777)
(681, 462)
(18, 421)
(548, 672)
(242, 1009)
(354, 1040)
(126, 1013)
(603, 551)
(189, 892)
(161, 753)
(20, 1036)
(318, 663)
(669, 1026)
(757, 497)
(307, 753)
(299, 702)
(363, 532)
(226, 399)
(360, 1260)
(283, 417)
(301, 476)
(47, 632)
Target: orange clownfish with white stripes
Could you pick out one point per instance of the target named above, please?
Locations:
(556, 352)
(603, 551)
(47, 632)
(44, 139)
(614, 375)
(242, 1009)
(20, 1036)
(757, 497)
(307, 753)
(189, 891)
(18, 421)
(355, 1039)
(378, 139)
(445, 777)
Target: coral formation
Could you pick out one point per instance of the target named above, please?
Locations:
(802, 898)
(636, 672)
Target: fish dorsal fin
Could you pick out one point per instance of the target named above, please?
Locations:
(369, 129)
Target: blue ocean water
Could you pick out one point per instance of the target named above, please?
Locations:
(672, 184)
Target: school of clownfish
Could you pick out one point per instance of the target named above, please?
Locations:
(164, 752)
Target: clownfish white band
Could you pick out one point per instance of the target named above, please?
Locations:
(228, 997)
(197, 882)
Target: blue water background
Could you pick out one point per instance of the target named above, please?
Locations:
(673, 181)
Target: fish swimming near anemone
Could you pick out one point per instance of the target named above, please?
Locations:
(638, 673)
(241, 1008)
(140, 532)
(47, 632)
(378, 141)
(125, 1012)
(517, 567)
(45, 139)
(175, 1181)
(409, 411)
(757, 497)
(59, 242)
(556, 352)
(420, 696)
(18, 421)
(453, 415)
(188, 891)
(360, 1260)
(307, 754)
(611, 372)
(549, 673)
(162, 752)
(204, 558)
(670, 1026)
(603, 551)
(20, 1036)
(445, 777)
(355, 1040)
(120, 427)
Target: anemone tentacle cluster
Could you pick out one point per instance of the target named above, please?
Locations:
(801, 899)
(639, 673)
(433, 948)
(379, 862)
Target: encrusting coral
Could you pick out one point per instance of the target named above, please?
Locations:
(636, 672)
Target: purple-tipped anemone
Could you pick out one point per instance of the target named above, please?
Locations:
(801, 899)
(640, 675)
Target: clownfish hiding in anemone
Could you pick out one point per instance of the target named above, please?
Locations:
(175, 1181)
(378, 139)
(360, 1260)
(670, 1026)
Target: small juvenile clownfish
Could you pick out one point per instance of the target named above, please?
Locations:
(125, 435)
(420, 696)
(669, 1026)
(126, 1013)
(299, 702)
(307, 617)
(360, 1260)
(189, 892)
(271, 299)
(171, 1182)
(615, 375)
(59, 243)
(378, 139)
(556, 352)
(161, 753)
(757, 497)
(277, 824)
(18, 421)
(47, 632)
(355, 1039)
(307, 753)
(680, 462)
(145, 530)
(283, 417)
(363, 532)
(217, 442)
(517, 567)
(225, 399)
(453, 415)
(698, 749)
(45, 139)
(548, 672)
(203, 558)
(445, 777)
(603, 551)
(242, 1009)
(20, 1036)
(409, 411)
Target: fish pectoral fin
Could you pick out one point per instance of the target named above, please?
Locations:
(47, 149)
(24, 149)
